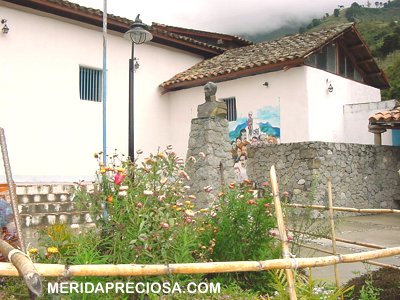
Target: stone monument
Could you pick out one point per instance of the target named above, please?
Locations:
(209, 145)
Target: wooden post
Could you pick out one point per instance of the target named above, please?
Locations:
(24, 266)
(282, 232)
(331, 217)
(11, 189)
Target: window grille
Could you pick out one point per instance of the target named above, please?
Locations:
(90, 84)
(231, 108)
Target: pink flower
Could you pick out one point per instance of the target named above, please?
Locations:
(202, 155)
(290, 238)
(118, 178)
(183, 174)
(165, 225)
(265, 183)
(286, 194)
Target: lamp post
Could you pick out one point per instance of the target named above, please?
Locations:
(138, 34)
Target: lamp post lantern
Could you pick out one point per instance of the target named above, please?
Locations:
(138, 33)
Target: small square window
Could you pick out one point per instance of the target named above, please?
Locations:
(231, 108)
(90, 84)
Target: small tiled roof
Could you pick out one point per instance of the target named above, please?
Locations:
(273, 55)
(386, 117)
(181, 38)
(222, 40)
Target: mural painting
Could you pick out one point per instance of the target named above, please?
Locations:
(258, 128)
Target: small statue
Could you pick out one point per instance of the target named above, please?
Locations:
(210, 90)
(212, 107)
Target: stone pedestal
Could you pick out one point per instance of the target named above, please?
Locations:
(209, 135)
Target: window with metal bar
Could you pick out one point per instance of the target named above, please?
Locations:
(90, 84)
(231, 108)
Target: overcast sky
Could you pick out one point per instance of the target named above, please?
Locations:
(224, 16)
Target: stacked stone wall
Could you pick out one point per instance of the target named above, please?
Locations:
(45, 204)
(363, 176)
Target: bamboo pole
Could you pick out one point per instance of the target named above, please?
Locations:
(338, 239)
(330, 252)
(348, 209)
(282, 232)
(24, 266)
(11, 188)
(333, 233)
(56, 270)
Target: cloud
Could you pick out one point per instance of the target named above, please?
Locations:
(225, 16)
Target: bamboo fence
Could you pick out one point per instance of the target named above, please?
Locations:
(56, 270)
(288, 262)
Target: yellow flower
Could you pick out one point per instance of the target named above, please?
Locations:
(52, 250)
(120, 169)
(188, 202)
(102, 170)
(33, 251)
(178, 208)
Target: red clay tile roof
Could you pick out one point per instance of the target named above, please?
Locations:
(177, 37)
(269, 56)
(389, 116)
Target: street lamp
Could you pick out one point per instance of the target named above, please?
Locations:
(138, 34)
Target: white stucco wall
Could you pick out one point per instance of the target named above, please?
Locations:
(326, 110)
(285, 88)
(308, 111)
(356, 121)
(51, 133)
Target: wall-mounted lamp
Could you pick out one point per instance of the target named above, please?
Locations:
(266, 84)
(330, 87)
(5, 28)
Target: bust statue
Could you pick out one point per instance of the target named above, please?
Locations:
(209, 91)
(212, 107)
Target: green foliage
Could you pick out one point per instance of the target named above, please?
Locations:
(238, 229)
(368, 291)
(336, 12)
(306, 288)
(392, 69)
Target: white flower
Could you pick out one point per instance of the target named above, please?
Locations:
(147, 192)
(122, 193)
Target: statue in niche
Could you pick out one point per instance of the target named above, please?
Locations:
(212, 107)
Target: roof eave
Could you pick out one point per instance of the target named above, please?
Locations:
(233, 75)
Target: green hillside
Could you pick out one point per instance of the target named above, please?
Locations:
(379, 25)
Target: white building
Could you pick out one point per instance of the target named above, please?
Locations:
(51, 46)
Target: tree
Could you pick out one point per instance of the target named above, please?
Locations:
(368, 4)
(376, 3)
(336, 12)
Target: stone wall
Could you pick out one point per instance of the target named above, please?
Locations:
(363, 176)
(45, 204)
(209, 136)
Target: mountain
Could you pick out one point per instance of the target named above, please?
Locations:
(379, 24)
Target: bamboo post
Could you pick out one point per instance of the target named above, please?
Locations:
(282, 233)
(24, 266)
(338, 239)
(57, 270)
(330, 252)
(349, 209)
(11, 188)
(333, 233)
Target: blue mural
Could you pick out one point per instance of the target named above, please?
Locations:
(263, 127)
